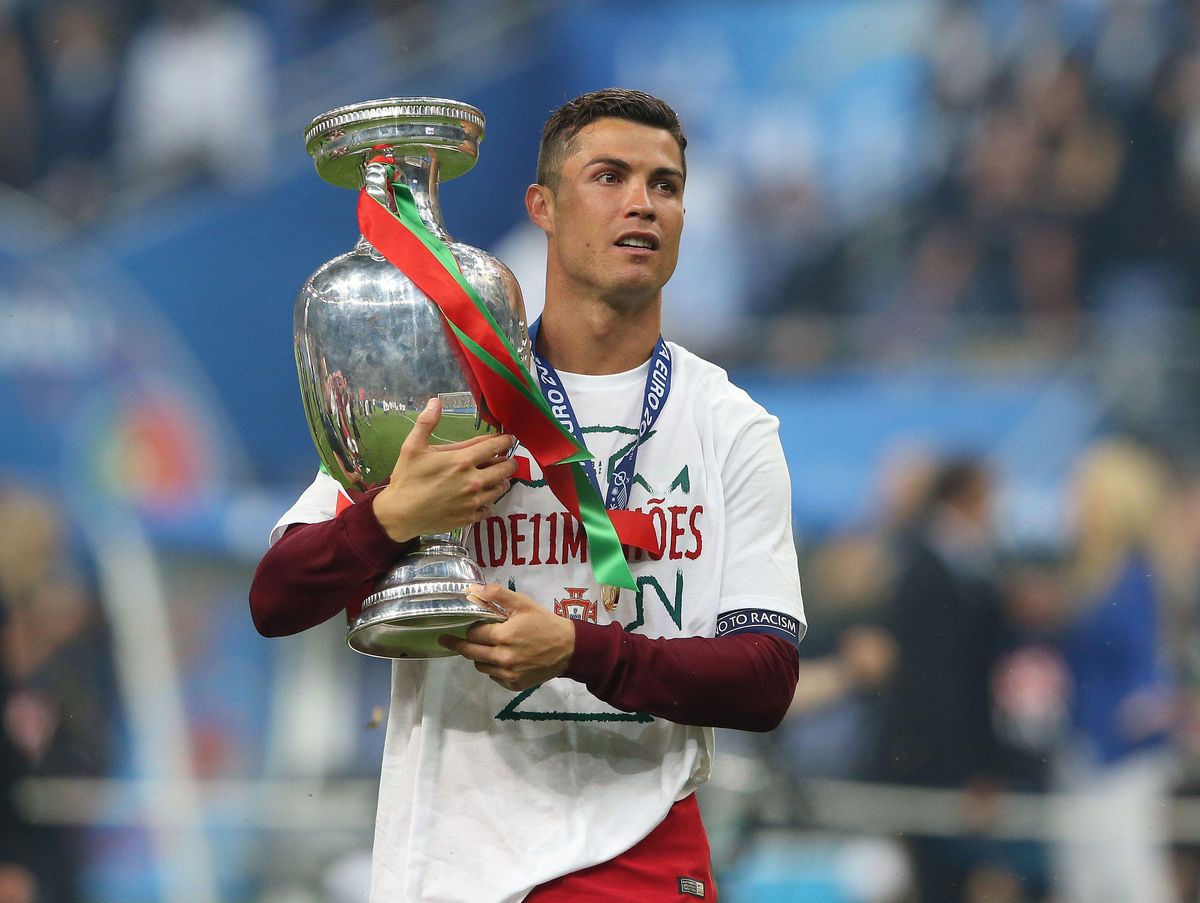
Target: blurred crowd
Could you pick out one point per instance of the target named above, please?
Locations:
(1055, 198)
(100, 100)
(1059, 195)
(107, 105)
(937, 658)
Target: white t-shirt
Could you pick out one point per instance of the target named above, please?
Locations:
(486, 793)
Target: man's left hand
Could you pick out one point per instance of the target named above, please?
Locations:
(531, 647)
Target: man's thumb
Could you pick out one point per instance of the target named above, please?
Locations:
(424, 425)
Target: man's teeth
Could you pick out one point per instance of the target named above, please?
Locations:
(636, 243)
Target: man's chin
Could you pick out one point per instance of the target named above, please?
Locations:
(636, 286)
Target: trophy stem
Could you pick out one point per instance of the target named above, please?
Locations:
(421, 173)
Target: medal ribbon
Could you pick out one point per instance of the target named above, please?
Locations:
(504, 390)
(654, 397)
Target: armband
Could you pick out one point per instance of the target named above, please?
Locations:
(759, 620)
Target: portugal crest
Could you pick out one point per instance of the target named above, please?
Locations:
(575, 606)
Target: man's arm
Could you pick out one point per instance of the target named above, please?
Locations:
(744, 681)
(317, 570)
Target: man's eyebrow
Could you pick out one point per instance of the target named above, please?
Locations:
(617, 163)
(614, 162)
(667, 171)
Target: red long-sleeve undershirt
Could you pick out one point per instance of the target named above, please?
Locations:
(745, 681)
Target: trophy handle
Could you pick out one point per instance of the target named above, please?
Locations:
(375, 181)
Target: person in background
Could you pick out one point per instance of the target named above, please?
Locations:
(945, 619)
(1116, 766)
(54, 673)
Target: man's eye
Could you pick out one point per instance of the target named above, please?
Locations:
(607, 177)
(668, 187)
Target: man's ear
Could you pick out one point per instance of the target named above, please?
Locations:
(539, 204)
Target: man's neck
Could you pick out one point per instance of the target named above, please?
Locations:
(594, 339)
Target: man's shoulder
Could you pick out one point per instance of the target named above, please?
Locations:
(709, 385)
(694, 365)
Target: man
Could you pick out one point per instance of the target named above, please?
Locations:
(570, 774)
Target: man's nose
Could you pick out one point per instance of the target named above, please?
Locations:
(640, 203)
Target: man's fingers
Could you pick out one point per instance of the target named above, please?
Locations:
(501, 489)
(476, 652)
(490, 448)
(485, 633)
(506, 678)
(496, 476)
(460, 444)
(502, 676)
(482, 448)
(424, 425)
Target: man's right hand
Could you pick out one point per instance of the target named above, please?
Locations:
(438, 488)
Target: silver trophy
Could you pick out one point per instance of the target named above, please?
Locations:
(372, 349)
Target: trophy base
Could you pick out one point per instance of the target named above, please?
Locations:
(423, 597)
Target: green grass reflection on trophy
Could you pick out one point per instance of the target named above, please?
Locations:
(388, 433)
(373, 442)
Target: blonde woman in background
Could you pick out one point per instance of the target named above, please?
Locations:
(1116, 769)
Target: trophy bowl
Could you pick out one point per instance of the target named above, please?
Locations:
(372, 349)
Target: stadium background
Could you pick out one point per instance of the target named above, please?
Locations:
(917, 230)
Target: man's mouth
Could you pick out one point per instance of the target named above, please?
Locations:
(647, 242)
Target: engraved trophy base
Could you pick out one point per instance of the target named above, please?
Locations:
(423, 597)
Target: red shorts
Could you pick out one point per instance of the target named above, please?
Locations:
(672, 865)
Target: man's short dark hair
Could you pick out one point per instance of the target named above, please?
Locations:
(616, 103)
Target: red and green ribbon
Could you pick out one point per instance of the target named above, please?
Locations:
(504, 389)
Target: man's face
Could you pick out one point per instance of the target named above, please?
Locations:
(615, 218)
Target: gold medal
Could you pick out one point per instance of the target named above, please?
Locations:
(610, 596)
